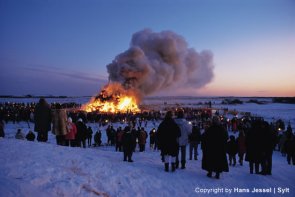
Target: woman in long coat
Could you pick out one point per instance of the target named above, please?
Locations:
(214, 149)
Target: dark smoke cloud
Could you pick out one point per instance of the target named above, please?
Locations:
(160, 61)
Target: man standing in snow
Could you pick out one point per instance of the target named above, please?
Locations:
(185, 130)
(42, 118)
(167, 135)
(129, 142)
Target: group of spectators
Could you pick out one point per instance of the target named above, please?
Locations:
(255, 143)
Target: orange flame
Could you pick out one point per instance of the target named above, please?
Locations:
(113, 98)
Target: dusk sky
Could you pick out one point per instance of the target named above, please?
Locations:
(55, 47)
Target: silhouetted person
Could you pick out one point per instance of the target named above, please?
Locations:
(42, 118)
(214, 149)
(81, 133)
(290, 148)
(194, 140)
(268, 142)
(97, 138)
(129, 142)
(167, 136)
(254, 152)
(232, 149)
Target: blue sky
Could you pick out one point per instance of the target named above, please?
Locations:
(63, 47)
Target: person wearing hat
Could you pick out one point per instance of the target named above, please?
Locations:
(81, 133)
(70, 137)
(167, 135)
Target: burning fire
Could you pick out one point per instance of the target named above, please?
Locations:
(113, 98)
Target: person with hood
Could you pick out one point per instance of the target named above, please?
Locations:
(185, 130)
(42, 119)
(30, 136)
(70, 137)
(19, 135)
(81, 133)
(290, 148)
(129, 142)
(214, 149)
(167, 136)
(59, 124)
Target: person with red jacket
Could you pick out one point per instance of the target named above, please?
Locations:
(241, 140)
(70, 137)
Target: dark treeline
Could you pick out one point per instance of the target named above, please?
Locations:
(290, 100)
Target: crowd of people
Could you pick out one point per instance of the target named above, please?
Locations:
(252, 139)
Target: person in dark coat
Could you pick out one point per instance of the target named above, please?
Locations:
(254, 146)
(232, 150)
(129, 142)
(97, 138)
(194, 140)
(142, 139)
(42, 118)
(30, 136)
(290, 148)
(81, 133)
(89, 135)
(214, 149)
(167, 135)
(119, 136)
(268, 142)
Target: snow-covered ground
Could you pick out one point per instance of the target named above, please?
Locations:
(45, 169)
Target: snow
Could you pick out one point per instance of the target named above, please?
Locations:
(46, 169)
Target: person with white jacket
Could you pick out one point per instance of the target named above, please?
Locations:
(186, 130)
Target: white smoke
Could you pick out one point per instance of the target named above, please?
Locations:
(159, 61)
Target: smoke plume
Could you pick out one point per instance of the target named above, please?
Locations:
(160, 61)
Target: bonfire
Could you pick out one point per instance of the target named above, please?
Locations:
(113, 98)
